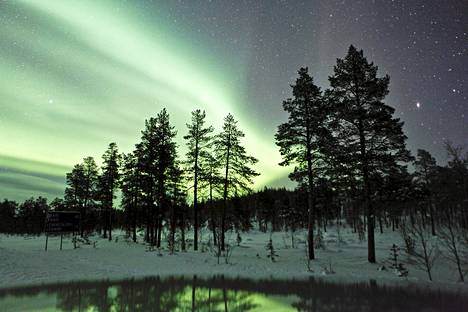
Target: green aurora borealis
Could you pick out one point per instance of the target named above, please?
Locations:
(77, 75)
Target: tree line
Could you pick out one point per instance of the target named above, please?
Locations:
(347, 150)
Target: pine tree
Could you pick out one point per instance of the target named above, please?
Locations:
(32, 213)
(8, 219)
(147, 154)
(301, 140)
(212, 180)
(81, 189)
(198, 141)
(371, 138)
(74, 190)
(130, 187)
(108, 183)
(238, 173)
(91, 175)
(167, 155)
(156, 156)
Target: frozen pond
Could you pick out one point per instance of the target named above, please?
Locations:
(220, 294)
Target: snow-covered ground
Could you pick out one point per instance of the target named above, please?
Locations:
(23, 260)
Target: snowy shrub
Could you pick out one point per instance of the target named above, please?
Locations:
(402, 271)
(397, 266)
(80, 241)
(394, 252)
(271, 250)
(150, 248)
(75, 242)
(238, 239)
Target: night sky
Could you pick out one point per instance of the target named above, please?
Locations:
(76, 75)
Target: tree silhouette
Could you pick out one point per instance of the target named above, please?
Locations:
(301, 139)
(374, 139)
(157, 153)
(108, 182)
(198, 140)
(236, 165)
(81, 190)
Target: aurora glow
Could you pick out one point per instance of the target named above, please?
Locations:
(81, 74)
(76, 75)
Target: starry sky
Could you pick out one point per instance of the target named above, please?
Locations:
(77, 75)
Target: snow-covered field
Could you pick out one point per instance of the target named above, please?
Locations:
(23, 260)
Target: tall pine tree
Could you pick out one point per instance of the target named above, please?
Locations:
(372, 139)
(198, 140)
(301, 140)
(108, 183)
(237, 171)
(156, 156)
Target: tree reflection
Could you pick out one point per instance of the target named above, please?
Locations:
(218, 294)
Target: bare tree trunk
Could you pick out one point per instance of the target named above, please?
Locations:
(225, 195)
(134, 215)
(367, 194)
(310, 201)
(195, 200)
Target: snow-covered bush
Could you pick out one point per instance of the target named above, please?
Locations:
(271, 250)
(397, 266)
(238, 239)
(393, 259)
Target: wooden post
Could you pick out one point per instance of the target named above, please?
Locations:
(61, 239)
(46, 240)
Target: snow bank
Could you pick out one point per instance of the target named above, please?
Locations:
(23, 261)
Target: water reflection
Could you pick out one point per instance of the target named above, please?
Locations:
(220, 294)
